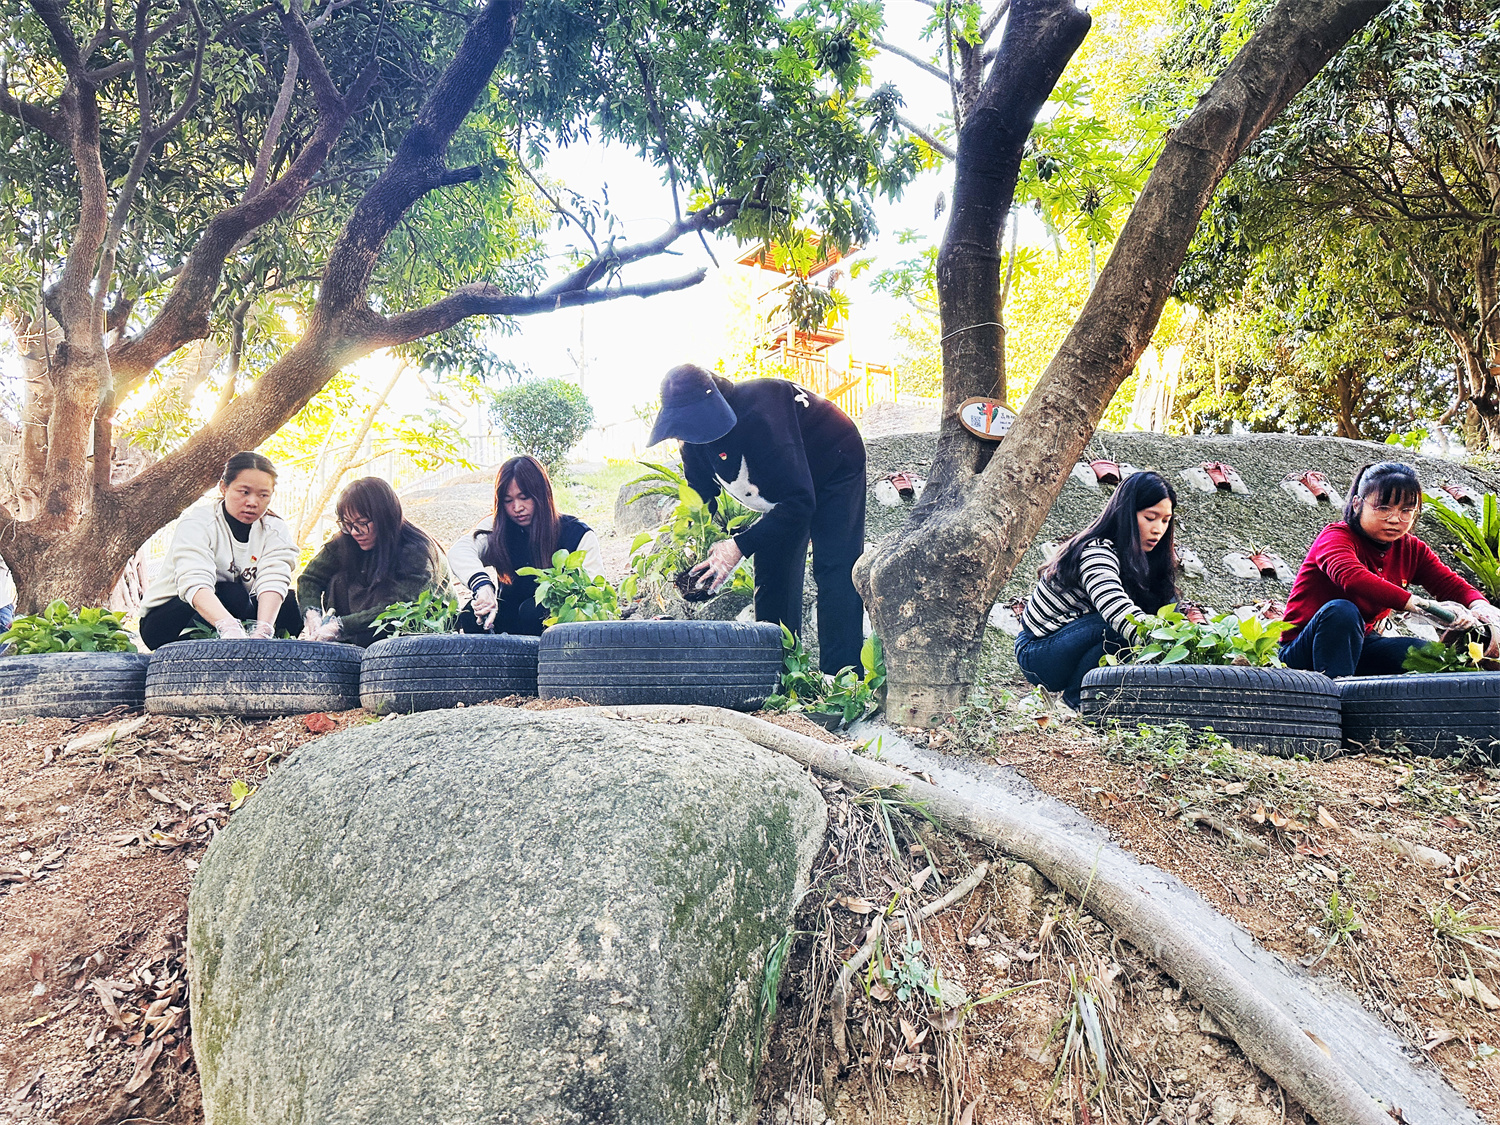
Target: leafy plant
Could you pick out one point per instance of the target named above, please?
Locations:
(58, 629)
(429, 612)
(1478, 546)
(1435, 656)
(568, 594)
(909, 974)
(683, 540)
(543, 417)
(849, 694)
(1170, 638)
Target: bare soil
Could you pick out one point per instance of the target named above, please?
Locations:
(99, 845)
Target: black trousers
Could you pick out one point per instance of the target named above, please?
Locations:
(837, 535)
(162, 624)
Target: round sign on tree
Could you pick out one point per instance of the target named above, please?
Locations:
(986, 418)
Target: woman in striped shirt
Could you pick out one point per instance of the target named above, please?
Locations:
(1108, 571)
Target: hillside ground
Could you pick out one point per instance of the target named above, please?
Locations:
(1379, 870)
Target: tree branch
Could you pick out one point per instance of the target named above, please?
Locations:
(274, 125)
(184, 315)
(945, 149)
(936, 71)
(484, 299)
(992, 21)
(37, 117)
(419, 164)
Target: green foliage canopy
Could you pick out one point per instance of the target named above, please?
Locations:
(543, 417)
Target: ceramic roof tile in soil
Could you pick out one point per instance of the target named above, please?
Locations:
(1306, 829)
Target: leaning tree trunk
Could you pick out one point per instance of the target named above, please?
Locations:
(929, 587)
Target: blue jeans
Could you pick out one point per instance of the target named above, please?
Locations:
(1060, 660)
(1335, 643)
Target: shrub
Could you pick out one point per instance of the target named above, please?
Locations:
(850, 695)
(568, 594)
(59, 629)
(1478, 547)
(1170, 638)
(684, 538)
(428, 613)
(543, 417)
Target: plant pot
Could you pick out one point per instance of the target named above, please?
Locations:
(1218, 472)
(1316, 483)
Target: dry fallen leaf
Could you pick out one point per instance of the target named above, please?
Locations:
(1234, 789)
(855, 905)
(1318, 1043)
(878, 991)
(1325, 818)
(1476, 990)
(913, 1037)
(144, 1061)
(1437, 1037)
(319, 723)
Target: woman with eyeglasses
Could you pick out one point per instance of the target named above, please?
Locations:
(1100, 579)
(377, 559)
(1357, 572)
(525, 529)
(230, 562)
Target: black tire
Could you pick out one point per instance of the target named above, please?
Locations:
(1432, 714)
(424, 673)
(709, 663)
(71, 684)
(255, 679)
(1279, 711)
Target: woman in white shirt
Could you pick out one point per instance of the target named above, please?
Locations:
(530, 531)
(231, 560)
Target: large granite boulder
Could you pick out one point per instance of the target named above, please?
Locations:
(494, 916)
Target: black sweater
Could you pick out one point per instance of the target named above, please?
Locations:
(788, 448)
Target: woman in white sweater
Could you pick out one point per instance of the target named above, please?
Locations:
(525, 529)
(231, 560)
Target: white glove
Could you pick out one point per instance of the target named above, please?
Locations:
(312, 621)
(263, 631)
(486, 605)
(329, 631)
(1485, 612)
(230, 629)
(722, 558)
(1463, 618)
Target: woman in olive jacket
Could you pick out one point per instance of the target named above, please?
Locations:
(377, 559)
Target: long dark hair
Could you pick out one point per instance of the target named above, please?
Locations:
(1385, 482)
(372, 499)
(531, 478)
(1149, 577)
(246, 460)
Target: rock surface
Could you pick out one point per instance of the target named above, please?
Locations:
(497, 916)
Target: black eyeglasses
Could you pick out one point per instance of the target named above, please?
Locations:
(356, 527)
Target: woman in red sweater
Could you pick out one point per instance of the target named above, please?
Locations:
(1357, 572)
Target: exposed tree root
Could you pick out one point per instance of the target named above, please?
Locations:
(1263, 1031)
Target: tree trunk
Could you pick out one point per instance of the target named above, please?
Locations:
(930, 586)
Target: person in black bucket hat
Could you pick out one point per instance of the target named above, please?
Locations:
(796, 458)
